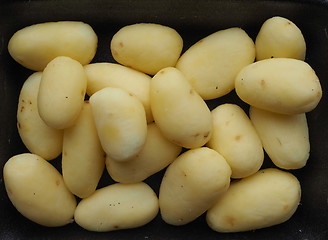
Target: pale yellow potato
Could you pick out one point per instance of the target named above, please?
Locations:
(267, 198)
(147, 47)
(157, 153)
(118, 206)
(281, 85)
(36, 45)
(236, 139)
(212, 64)
(180, 113)
(37, 190)
(61, 93)
(280, 38)
(83, 159)
(192, 184)
(101, 75)
(121, 123)
(38, 137)
(285, 138)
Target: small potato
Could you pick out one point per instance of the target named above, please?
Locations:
(212, 64)
(37, 190)
(83, 159)
(280, 38)
(157, 153)
(61, 93)
(236, 139)
(281, 85)
(38, 137)
(101, 75)
(118, 206)
(36, 45)
(120, 121)
(285, 138)
(192, 184)
(267, 198)
(147, 47)
(180, 113)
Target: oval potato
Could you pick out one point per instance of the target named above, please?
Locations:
(37, 190)
(118, 206)
(36, 45)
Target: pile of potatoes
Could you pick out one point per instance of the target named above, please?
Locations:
(147, 112)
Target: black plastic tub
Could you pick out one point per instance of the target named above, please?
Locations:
(194, 20)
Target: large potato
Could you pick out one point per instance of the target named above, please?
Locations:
(192, 184)
(236, 139)
(180, 113)
(118, 206)
(38, 137)
(157, 153)
(281, 85)
(120, 121)
(147, 47)
(280, 38)
(61, 93)
(267, 198)
(36, 45)
(212, 64)
(83, 159)
(37, 190)
(285, 138)
(101, 75)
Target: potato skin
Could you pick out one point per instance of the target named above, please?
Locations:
(38, 137)
(37, 190)
(36, 45)
(267, 198)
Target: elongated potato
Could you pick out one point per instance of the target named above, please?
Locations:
(157, 153)
(120, 121)
(236, 139)
(280, 85)
(101, 75)
(147, 47)
(118, 206)
(37, 190)
(36, 45)
(61, 93)
(192, 184)
(212, 64)
(38, 137)
(267, 198)
(180, 113)
(83, 159)
(285, 138)
(280, 38)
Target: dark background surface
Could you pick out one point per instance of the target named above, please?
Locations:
(193, 20)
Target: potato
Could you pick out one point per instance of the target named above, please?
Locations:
(36, 45)
(280, 38)
(118, 206)
(147, 47)
(120, 121)
(281, 85)
(236, 139)
(83, 159)
(37, 190)
(38, 137)
(192, 184)
(157, 153)
(61, 93)
(101, 75)
(180, 113)
(212, 64)
(285, 138)
(267, 198)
